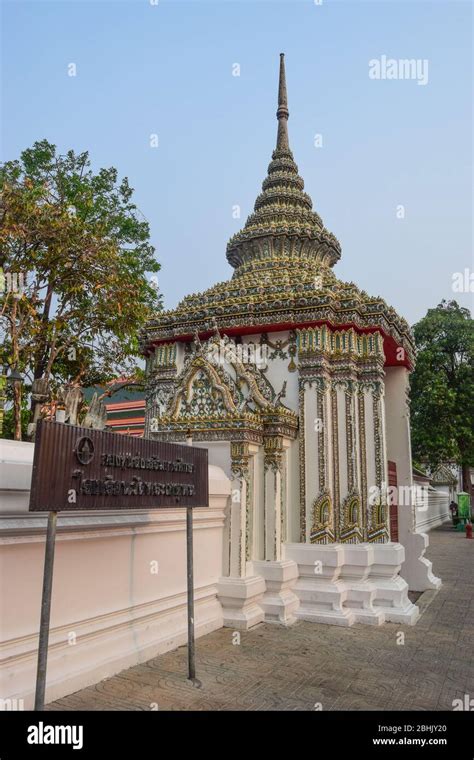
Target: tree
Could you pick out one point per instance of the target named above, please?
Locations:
(75, 253)
(442, 388)
(9, 420)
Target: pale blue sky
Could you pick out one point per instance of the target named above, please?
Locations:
(167, 69)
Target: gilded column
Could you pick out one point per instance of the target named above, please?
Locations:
(273, 471)
(240, 517)
(362, 458)
(380, 512)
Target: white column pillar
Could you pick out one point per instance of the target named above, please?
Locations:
(279, 603)
(240, 594)
(293, 493)
(238, 528)
(416, 569)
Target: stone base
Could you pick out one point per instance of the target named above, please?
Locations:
(355, 583)
(360, 602)
(337, 584)
(321, 594)
(417, 570)
(241, 600)
(279, 603)
(361, 594)
(391, 590)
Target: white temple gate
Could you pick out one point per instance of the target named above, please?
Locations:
(297, 383)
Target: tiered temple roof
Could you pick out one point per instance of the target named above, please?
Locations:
(283, 278)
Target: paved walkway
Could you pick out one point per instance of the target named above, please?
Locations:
(307, 665)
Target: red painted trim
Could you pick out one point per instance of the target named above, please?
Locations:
(115, 406)
(126, 421)
(133, 433)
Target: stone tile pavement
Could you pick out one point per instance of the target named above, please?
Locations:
(310, 666)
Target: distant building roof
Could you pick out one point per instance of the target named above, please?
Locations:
(443, 476)
(127, 417)
(125, 407)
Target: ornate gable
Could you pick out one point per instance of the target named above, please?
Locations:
(218, 396)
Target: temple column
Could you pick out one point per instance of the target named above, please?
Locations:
(339, 414)
(371, 475)
(321, 516)
(240, 594)
(273, 464)
(416, 569)
(308, 454)
(391, 590)
(238, 526)
(327, 471)
(381, 468)
(279, 602)
(316, 465)
(362, 463)
(319, 589)
(358, 556)
(373, 461)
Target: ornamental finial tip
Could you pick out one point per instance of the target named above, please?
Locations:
(282, 112)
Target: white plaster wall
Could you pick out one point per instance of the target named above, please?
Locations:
(436, 514)
(416, 569)
(293, 492)
(180, 354)
(105, 596)
(219, 454)
(398, 439)
(16, 458)
(278, 372)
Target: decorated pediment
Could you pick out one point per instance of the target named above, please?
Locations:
(203, 393)
(217, 392)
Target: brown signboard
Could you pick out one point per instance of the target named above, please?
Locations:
(77, 468)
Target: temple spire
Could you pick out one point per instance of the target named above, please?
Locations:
(282, 112)
(283, 220)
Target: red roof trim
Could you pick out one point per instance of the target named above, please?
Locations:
(126, 421)
(115, 406)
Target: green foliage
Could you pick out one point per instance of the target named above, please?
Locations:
(83, 249)
(442, 386)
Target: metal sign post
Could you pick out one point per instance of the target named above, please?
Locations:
(99, 470)
(45, 611)
(189, 561)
